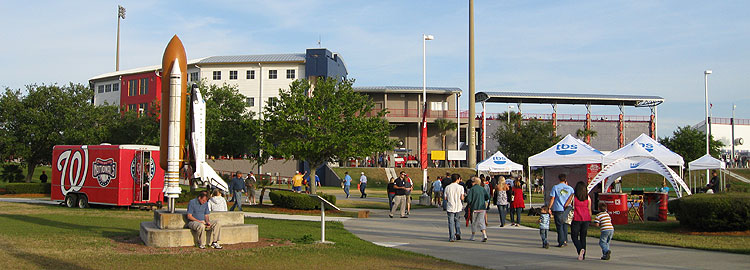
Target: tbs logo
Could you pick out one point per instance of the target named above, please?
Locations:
(634, 165)
(499, 160)
(566, 149)
(649, 147)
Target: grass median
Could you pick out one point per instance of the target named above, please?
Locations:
(54, 237)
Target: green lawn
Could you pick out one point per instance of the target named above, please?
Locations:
(666, 233)
(35, 177)
(54, 237)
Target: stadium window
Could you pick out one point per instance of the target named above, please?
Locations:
(217, 75)
(250, 102)
(115, 87)
(290, 73)
(193, 76)
(251, 74)
(144, 86)
(101, 88)
(272, 74)
(232, 74)
(132, 88)
(108, 88)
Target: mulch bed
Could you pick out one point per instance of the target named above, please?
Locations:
(134, 245)
(24, 195)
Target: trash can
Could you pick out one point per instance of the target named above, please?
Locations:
(617, 206)
(655, 206)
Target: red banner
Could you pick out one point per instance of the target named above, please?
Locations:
(423, 140)
(592, 170)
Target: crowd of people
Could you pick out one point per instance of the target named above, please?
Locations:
(570, 208)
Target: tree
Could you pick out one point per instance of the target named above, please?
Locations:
(690, 143)
(331, 124)
(47, 116)
(519, 142)
(133, 128)
(514, 117)
(230, 127)
(586, 134)
(443, 126)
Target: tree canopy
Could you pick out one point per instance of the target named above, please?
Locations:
(520, 141)
(332, 124)
(230, 127)
(690, 143)
(49, 115)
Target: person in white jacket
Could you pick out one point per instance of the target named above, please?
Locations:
(217, 203)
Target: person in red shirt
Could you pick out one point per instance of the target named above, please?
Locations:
(518, 203)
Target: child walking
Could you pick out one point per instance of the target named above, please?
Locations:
(544, 225)
(604, 222)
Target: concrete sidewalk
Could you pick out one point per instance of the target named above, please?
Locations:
(426, 232)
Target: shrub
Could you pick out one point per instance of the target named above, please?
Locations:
(11, 173)
(292, 200)
(187, 195)
(713, 212)
(26, 188)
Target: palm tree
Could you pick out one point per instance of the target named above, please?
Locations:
(443, 126)
(586, 134)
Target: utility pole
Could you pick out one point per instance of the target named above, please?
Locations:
(472, 158)
(120, 15)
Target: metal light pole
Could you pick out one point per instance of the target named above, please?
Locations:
(731, 157)
(423, 147)
(705, 80)
(472, 158)
(120, 15)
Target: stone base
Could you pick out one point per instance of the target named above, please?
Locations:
(169, 229)
(424, 199)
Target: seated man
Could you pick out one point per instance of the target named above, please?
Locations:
(198, 215)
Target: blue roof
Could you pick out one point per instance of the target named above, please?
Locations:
(406, 89)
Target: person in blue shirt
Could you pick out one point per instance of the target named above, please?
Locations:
(199, 221)
(347, 183)
(237, 187)
(561, 200)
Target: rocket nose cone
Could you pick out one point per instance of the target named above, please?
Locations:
(176, 68)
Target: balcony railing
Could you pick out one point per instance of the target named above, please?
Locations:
(464, 115)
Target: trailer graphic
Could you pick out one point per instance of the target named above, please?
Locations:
(94, 174)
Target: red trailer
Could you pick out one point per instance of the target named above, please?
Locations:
(121, 175)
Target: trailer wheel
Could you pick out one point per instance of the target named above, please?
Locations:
(71, 200)
(83, 202)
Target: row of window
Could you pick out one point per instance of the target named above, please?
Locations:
(102, 88)
(250, 74)
(140, 108)
(137, 87)
(251, 101)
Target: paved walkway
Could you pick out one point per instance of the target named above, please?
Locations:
(426, 232)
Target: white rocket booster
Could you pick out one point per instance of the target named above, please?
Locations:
(172, 174)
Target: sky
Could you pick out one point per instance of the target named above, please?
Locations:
(590, 47)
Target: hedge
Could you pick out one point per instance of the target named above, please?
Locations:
(713, 212)
(26, 188)
(292, 200)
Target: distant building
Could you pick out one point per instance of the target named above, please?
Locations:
(258, 77)
(721, 130)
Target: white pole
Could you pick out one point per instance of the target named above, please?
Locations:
(705, 80)
(458, 124)
(425, 38)
(484, 131)
(322, 222)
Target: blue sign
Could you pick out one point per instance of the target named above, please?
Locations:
(566, 149)
(649, 147)
(634, 165)
(499, 160)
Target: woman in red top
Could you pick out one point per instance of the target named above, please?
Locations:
(517, 205)
(581, 219)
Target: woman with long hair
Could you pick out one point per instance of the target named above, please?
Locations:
(501, 199)
(518, 203)
(581, 219)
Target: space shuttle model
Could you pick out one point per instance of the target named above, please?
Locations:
(173, 120)
(203, 171)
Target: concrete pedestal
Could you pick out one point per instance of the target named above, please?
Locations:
(170, 229)
(424, 199)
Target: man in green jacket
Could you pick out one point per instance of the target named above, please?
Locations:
(477, 198)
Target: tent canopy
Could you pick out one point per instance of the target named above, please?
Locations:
(661, 152)
(498, 163)
(706, 162)
(633, 149)
(569, 151)
(637, 164)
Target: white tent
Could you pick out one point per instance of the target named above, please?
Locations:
(706, 162)
(632, 149)
(498, 163)
(659, 151)
(569, 151)
(635, 164)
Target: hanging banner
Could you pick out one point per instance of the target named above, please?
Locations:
(592, 170)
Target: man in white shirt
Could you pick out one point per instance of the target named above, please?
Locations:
(454, 196)
(363, 185)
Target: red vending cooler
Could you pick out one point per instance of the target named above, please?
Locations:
(120, 175)
(617, 206)
(655, 206)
